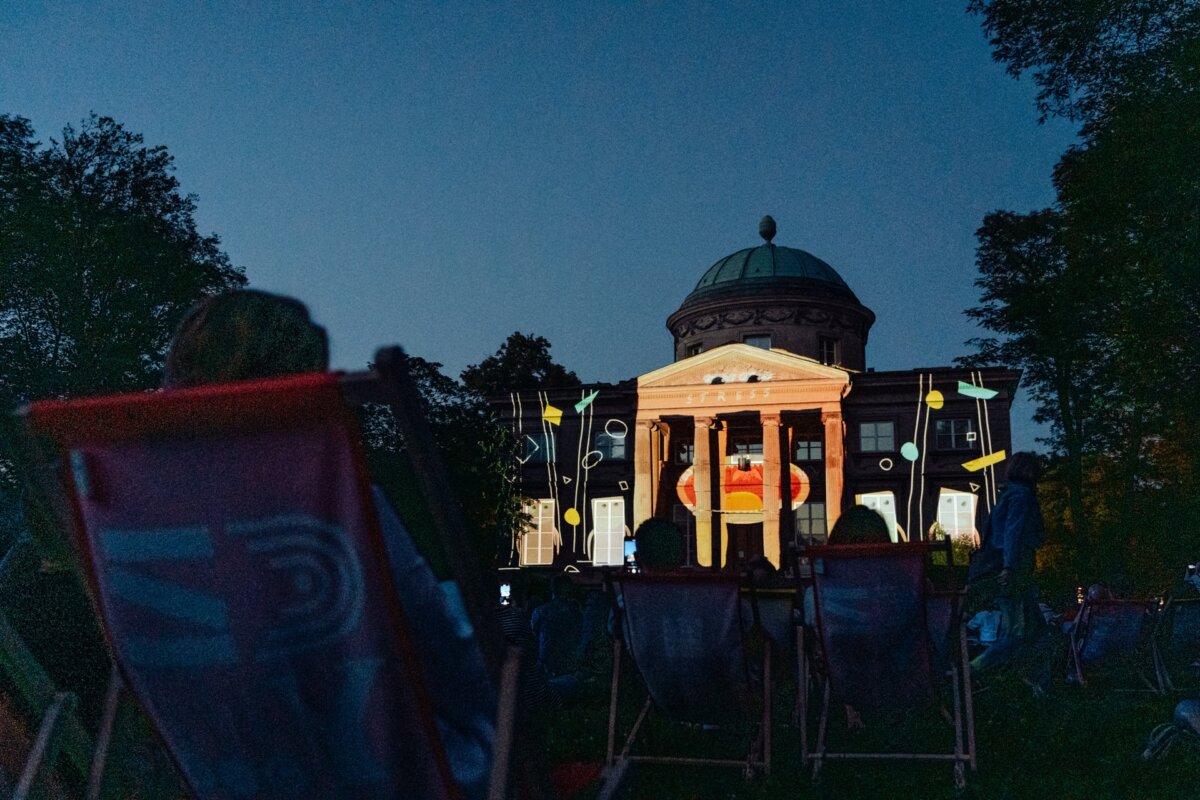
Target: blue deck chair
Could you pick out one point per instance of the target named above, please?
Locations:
(885, 645)
(1113, 639)
(1177, 644)
(684, 636)
(230, 543)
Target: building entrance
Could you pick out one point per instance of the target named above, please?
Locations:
(745, 544)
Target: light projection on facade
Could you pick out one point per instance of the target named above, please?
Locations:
(743, 491)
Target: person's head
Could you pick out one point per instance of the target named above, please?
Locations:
(659, 545)
(860, 525)
(1024, 468)
(561, 587)
(245, 334)
(1099, 591)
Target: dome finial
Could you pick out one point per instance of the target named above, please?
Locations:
(766, 228)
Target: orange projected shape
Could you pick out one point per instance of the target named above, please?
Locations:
(935, 399)
(571, 516)
(743, 495)
(552, 415)
(984, 461)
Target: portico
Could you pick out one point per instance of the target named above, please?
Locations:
(737, 387)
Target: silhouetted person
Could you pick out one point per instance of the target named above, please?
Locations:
(860, 525)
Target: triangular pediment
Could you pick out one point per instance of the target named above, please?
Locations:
(742, 363)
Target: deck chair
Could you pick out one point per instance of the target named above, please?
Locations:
(1177, 644)
(1114, 639)
(885, 646)
(231, 546)
(685, 638)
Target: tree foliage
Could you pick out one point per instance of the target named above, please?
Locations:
(1088, 56)
(1098, 298)
(99, 259)
(522, 362)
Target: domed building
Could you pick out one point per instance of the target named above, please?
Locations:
(765, 427)
(774, 297)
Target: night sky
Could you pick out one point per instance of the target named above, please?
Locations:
(440, 177)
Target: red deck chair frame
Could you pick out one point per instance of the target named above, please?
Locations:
(83, 429)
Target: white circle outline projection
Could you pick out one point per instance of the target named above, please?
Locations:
(888, 466)
(599, 457)
(624, 429)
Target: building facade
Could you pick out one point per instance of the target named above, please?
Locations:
(766, 426)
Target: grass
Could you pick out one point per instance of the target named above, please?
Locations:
(1073, 743)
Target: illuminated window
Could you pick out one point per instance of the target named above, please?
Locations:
(762, 340)
(877, 437)
(694, 350)
(608, 517)
(828, 347)
(883, 504)
(611, 448)
(539, 539)
(805, 449)
(685, 452)
(956, 512)
(954, 434)
(810, 521)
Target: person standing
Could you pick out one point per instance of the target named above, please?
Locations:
(1014, 533)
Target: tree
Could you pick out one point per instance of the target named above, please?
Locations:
(522, 362)
(478, 454)
(1123, 266)
(99, 260)
(1089, 55)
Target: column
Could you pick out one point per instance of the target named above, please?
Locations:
(834, 442)
(702, 481)
(719, 461)
(772, 473)
(787, 520)
(643, 486)
(657, 431)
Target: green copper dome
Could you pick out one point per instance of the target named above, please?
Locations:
(766, 269)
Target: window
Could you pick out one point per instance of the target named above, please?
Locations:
(685, 452)
(608, 544)
(746, 446)
(956, 513)
(827, 346)
(954, 434)
(539, 539)
(686, 522)
(537, 447)
(806, 449)
(810, 521)
(694, 350)
(762, 340)
(883, 504)
(610, 447)
(877, 437)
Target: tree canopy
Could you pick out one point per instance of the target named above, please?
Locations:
(99, 259)
(1098, 298)
(522, 362)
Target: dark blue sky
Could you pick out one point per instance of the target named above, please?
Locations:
(440, 177)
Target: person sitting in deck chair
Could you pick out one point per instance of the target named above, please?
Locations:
(246, 334)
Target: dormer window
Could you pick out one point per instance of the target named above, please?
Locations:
(694, 350)
(762, 340)
(828, 348)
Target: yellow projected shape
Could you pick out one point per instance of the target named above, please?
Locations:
(571, 516)
(552, 415)
(935, 399)
(985, 461)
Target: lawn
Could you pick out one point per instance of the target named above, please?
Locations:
(1073, 743)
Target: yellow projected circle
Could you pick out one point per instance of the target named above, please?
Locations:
(571, 516)
(935, 399)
